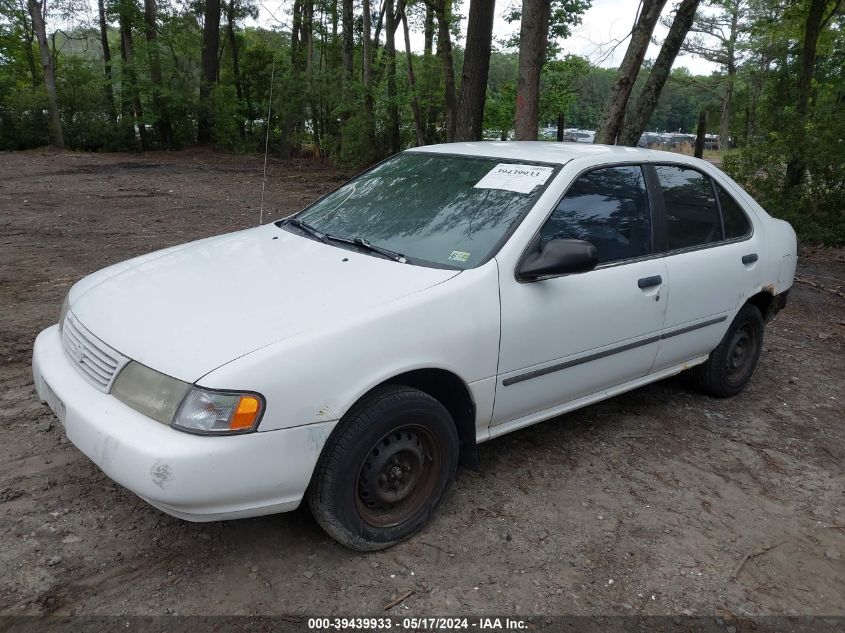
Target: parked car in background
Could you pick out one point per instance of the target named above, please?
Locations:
(649, 140)
(711, 141)
(582, 136)
(679, 140)
(354, 354)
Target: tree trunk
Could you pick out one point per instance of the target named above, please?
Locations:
(309, 32)
(162, 117)
(29, 39)
(701, 134)
(428, 41)
(727, 97)
(815, 16)
(379, 24)
(130, 97)
(236, 63)
(30, 60)
(561, 125)
(412, 82)
(367, 51)
(647, 101)
(104, 41)
(296, 28)
(208, 78)
(470, 119)
(56, 136)
(430, 111)
(613, 115)
(444, 47)
(533, 41)
(348, 43)
(727, 109)
(392, 99)
(367, 61)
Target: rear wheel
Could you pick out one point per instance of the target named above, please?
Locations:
(732, 363)
(385, 469)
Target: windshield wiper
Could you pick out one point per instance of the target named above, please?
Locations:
(304, 226)
(360, 242)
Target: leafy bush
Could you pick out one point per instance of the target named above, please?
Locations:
(816, 208)
(23, 117)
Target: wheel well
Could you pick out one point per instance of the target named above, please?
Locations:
(763, 301)
(453, 394)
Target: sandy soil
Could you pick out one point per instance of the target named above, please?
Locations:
(661, 501)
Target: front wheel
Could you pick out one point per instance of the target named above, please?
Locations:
(731, 364)
(385, 469)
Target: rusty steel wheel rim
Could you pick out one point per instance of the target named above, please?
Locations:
(398, 476)
(741, 352)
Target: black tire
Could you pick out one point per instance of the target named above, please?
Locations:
(408, 441)
(732, 363)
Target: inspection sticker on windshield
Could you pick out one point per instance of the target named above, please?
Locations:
(459, 256)
(513, 177)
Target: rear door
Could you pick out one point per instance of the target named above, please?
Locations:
(712, 260)
(568, 337)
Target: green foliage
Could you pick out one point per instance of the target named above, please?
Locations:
(499, 110)
(772, 133)
(559, 85)
(227, 118)
(317, 111)
(816, 208)
(23, 119)
(565, 14)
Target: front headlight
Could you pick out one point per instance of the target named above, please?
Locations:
(186, 407)
(63, 312)
(149, 392)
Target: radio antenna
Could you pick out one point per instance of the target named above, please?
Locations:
(266, 144)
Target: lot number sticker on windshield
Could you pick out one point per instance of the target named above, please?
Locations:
(511, 177)
(459, 256)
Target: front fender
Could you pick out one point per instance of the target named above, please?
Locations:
(318, 375)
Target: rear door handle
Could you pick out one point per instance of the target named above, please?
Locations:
(749, 259)
(649, 282)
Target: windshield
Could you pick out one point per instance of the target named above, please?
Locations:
(433, 208)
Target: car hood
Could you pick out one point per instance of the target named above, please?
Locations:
(186, 311)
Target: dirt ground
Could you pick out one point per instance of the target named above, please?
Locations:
(660, 501)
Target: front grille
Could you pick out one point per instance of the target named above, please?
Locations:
(96, 361)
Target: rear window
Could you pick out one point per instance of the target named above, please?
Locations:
(692, 216)
(736, 222)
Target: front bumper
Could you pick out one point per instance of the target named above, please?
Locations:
(198, 478)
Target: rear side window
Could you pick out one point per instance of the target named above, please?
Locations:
(736, 222)
(692, 217)
(607, 207)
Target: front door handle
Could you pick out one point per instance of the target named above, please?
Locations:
(749, 259)
(650, 282)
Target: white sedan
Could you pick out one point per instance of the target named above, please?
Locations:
(355, 354)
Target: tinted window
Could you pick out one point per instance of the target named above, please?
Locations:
(692, 217)
(607, 207)
(437, 208)
(736, 222)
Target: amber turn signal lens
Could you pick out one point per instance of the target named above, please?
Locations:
(246, 413)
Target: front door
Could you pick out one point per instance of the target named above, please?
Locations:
(572, 336)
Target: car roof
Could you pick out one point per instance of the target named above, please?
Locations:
(554, 152)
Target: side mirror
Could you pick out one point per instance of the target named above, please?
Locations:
(558, 257)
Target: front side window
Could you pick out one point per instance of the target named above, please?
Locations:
(433, 208)
(607, 207)
(692, 217)
(736, 222)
